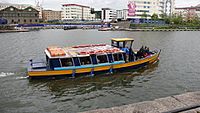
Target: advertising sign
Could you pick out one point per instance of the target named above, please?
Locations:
(131, 8)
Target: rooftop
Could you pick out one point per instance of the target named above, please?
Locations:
(75, 5)
(81, 50)
(122, 39)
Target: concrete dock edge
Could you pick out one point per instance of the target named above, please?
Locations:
(184, 103)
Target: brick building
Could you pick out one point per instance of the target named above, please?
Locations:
(49, 15)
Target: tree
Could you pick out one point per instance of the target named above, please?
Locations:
(178, 20)
(144, 15)
(154, 17)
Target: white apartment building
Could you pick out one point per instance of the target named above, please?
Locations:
(137, 8)
(22, 6)
(148, 7)
(169, 7)
(76, 12)
(108, 14)
(122, 14)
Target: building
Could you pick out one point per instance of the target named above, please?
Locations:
(14, 15)
(76, 12)
(188, 13)
(97, 15)
(108, 15)
(122, 14)
(144, 9)
(49, 15)
(169, 7)
(22, 6)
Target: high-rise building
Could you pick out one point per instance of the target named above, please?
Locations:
(169, 7)
(22, 6)
(76, 12)
(144, 9)
(49, 15)
(138, 9)
(108, 14)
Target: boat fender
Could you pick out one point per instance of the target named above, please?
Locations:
(92, 72)
(111, 69)
(73, 73)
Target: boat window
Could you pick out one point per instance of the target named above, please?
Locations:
(76, 61)
(110, 58)
(85, 60)
(118, 57)
(66, 62)
(102, 59)
(114, 43)
(94, 59)
(54, 63)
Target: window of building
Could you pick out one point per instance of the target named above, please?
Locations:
(65, 62)
(85, 60)
(30, 20)
(102, 59)
(118, 57)
(11, 9)
(18, 20)
(24, 20)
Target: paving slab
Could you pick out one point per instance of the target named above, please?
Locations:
(158, 105)
(189, 99)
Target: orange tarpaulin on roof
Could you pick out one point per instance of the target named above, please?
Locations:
(56, 51)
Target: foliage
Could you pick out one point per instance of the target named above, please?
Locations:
(144, 15)
(154, 17)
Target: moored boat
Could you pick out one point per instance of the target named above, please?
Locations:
(91, 59)
(104, 29)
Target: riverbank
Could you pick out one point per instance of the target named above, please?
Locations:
(147, 30)
(14, 30)
(184, 103)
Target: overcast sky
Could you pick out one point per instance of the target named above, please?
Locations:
(116, 4)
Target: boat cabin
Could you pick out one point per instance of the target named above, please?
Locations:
(83, 56)
(125, 44)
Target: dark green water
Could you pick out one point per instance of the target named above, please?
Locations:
(177, 72)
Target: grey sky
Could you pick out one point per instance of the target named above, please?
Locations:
(116, 4)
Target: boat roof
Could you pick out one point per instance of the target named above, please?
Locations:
(122, 39)
(80, 51)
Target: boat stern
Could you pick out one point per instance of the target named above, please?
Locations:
(36, 66)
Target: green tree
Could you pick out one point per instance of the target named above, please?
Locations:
(177, 20)
(144, 15)
(195, 20)
(154, 17)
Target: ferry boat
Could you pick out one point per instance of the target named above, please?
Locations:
(92, 59)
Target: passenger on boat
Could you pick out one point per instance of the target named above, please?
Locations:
(143, 52)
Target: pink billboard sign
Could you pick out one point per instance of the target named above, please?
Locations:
(131, 8)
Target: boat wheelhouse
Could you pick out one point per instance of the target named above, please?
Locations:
(92, 58)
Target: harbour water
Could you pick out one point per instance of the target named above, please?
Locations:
(177, 72)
